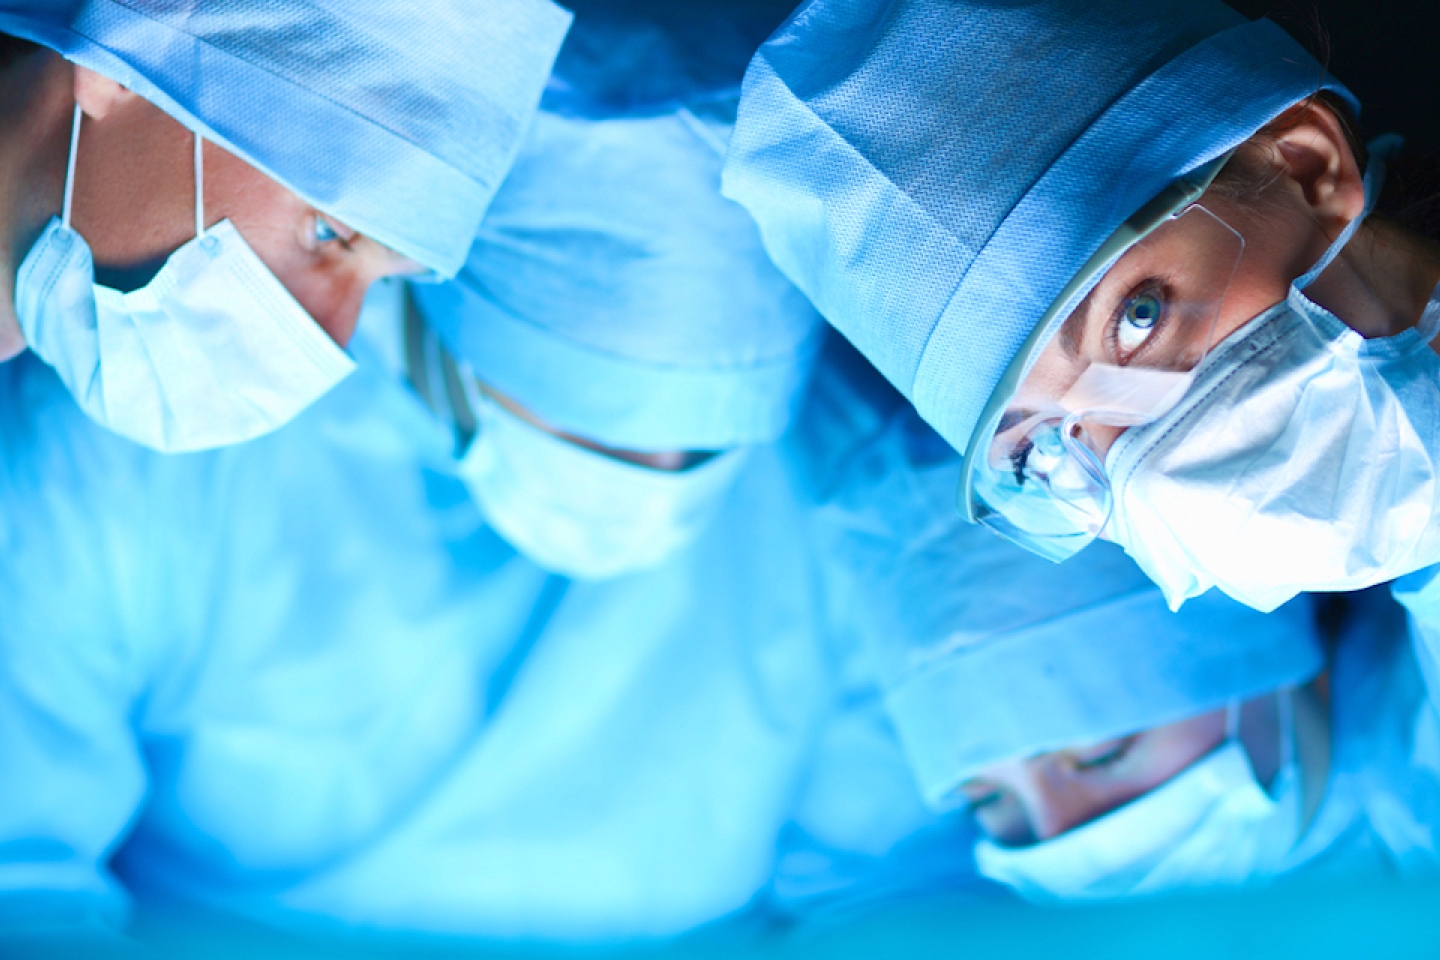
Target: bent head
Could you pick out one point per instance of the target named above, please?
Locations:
(347, 133)
(1218, 799)
(134, 204)
(628, 340)
(1030, 800)
(583, 508)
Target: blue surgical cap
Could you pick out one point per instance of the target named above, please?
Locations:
(932, 173)
(400, 120)
(615, 293)
(986, 652)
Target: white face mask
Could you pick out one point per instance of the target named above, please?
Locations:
(1302, 458)
(581, 513)
(214, 350)
(1210, 825)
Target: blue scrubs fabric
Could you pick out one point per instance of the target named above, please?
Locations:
(862, 836)
(933, 206)
(300, 680)
(1380, 815)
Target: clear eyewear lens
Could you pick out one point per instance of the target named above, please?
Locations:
(1054, 498)
(1122, 358)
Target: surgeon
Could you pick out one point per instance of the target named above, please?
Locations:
(615, 346)
(200, 195)
(1122, 256)
(310, 682)
(1103, 745)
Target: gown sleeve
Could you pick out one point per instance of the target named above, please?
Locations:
(71, 590)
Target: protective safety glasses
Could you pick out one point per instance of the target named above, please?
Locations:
(1114, 351)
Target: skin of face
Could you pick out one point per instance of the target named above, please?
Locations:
(1379, 285)
(36, 97)
(1023, 801)
(1027, 800)
(134, 203)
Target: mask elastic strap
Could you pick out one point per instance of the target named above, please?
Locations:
(1381, 149)
(199, 186)
(69, 203)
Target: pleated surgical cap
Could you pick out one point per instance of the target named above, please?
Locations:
(615, 294)
(932, 173)
(400, 120)
(986, 652)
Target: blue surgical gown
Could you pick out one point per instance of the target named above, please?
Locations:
(1380, 813)
(861, 838)
(302, 682)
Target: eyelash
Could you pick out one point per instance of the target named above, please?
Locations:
(335, 236)
(1112, 756)
(1019, 457)
(1150, 285)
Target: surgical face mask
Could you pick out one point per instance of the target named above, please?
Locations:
(1211, 825)
(581, 513)
(1302, 458)
(212, 351)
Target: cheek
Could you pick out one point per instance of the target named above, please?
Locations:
(1276, 252)
(1168, 750)
(325, 284)
(329, 292)
(1260, 282)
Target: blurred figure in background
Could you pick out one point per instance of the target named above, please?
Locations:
(621, 344)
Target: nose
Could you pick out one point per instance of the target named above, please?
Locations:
(1052, 801)
(339, 316)
(1044, 810)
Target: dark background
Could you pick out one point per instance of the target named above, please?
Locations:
(1386, 51)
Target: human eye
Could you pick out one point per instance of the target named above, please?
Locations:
(1139, 316)
(1102, 755)
(979, 794)
(324, 232)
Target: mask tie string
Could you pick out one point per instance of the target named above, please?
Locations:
(69, 203)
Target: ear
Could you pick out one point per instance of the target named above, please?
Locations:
(1310, 150)
(97, 94)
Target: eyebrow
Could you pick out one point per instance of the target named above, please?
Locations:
(1012, 418)
(1071, 331)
